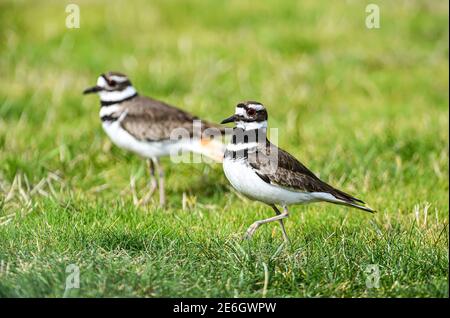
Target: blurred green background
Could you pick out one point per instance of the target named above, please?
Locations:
(366, 109)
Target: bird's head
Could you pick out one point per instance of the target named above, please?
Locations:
(112, 87)
(248, 115)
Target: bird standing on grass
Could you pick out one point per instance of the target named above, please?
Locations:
(263, 172)
(144, 125)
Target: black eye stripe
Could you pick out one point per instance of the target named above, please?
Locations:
(121, 84)
(126, 81)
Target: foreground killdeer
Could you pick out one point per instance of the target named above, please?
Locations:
(263, 172)
(143, 125)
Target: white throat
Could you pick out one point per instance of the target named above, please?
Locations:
(251, 125)
(112, 96)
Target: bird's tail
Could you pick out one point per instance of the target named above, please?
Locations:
(354, 203)
(356, 206)
(342, 198)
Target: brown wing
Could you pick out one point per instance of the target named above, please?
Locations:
(290, 173)
(153, 120)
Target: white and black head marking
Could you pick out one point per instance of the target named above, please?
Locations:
(249, 115)
(112, 87)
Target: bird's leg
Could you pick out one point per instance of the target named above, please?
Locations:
(133, 190)
(285, 236)
(255, 225)
(153, 183)
(162, 194)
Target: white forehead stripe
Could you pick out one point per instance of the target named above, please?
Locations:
(101, 81)
(117, 78)
(239, 111)
(256, 107)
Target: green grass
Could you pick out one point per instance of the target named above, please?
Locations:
(368, 109)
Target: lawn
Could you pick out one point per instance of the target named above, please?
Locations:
(366, 109)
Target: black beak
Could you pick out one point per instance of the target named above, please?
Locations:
(230, 119)
(93, 89)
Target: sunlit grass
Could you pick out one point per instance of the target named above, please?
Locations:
(365, 109)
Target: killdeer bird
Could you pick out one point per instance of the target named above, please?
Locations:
(144, 125)
(261, 171)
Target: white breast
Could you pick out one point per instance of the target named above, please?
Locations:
(121, 138)
(244, 179)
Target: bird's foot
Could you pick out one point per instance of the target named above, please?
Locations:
(251, 230)
(145, 199)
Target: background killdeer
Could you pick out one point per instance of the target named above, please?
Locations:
(143, 125)
(262, 171)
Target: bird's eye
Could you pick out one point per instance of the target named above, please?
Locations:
(112, 83)
(251, 112)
